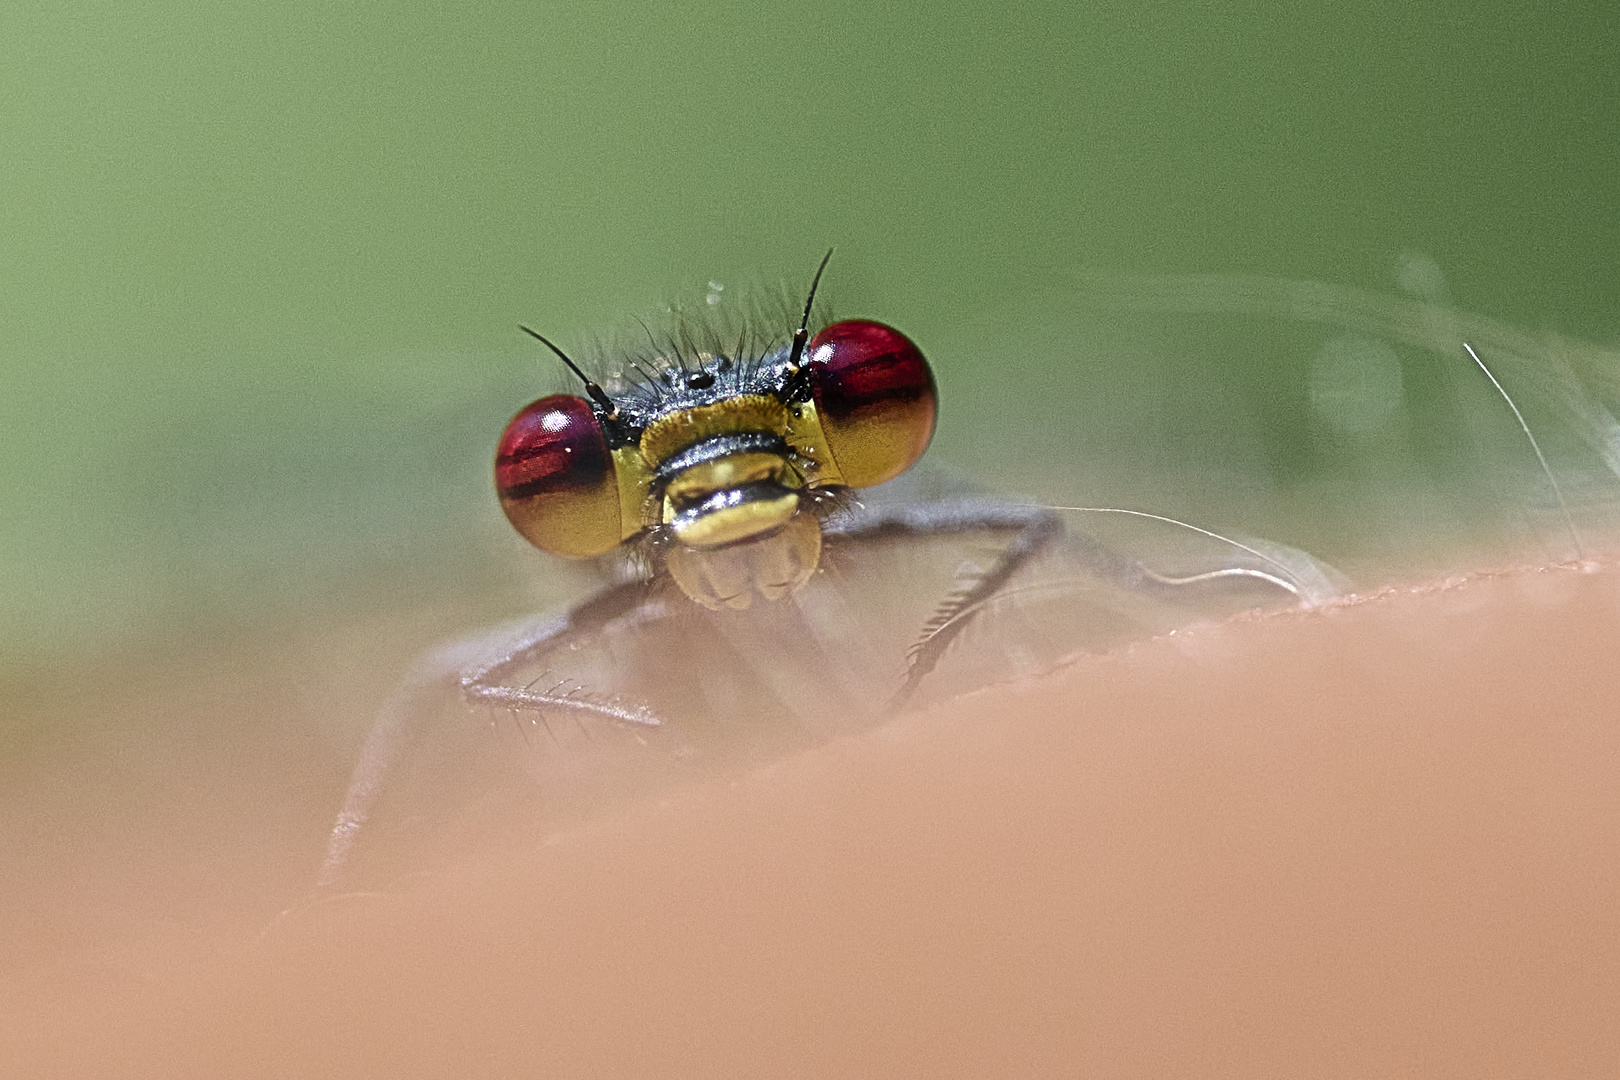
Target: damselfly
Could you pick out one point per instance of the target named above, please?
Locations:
(780, 571)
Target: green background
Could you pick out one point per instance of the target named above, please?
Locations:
(261, 265)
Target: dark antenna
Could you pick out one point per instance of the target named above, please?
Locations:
(802, 334)
(597, 394)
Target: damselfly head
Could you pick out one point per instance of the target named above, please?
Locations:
(722, 461)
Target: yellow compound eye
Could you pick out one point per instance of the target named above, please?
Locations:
(875, 397)
(556, 478)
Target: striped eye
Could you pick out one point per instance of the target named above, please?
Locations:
(556, 480)
(875, 397)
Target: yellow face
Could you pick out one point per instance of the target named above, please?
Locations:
(719, 464)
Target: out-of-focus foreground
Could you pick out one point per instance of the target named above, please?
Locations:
(1376, 838)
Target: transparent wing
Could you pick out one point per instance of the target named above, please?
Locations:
(928, 589)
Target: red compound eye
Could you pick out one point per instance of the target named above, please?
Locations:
(876, 399)
(556, 480)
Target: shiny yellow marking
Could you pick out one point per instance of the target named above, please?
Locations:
(732, 471)
(717, 528)
(806, 436)
(635, 488)
(743, 414)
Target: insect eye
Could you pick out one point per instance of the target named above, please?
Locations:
(875, 397)
(556, 480)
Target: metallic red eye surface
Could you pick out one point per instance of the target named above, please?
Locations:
(555, 478)
(876, 399)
